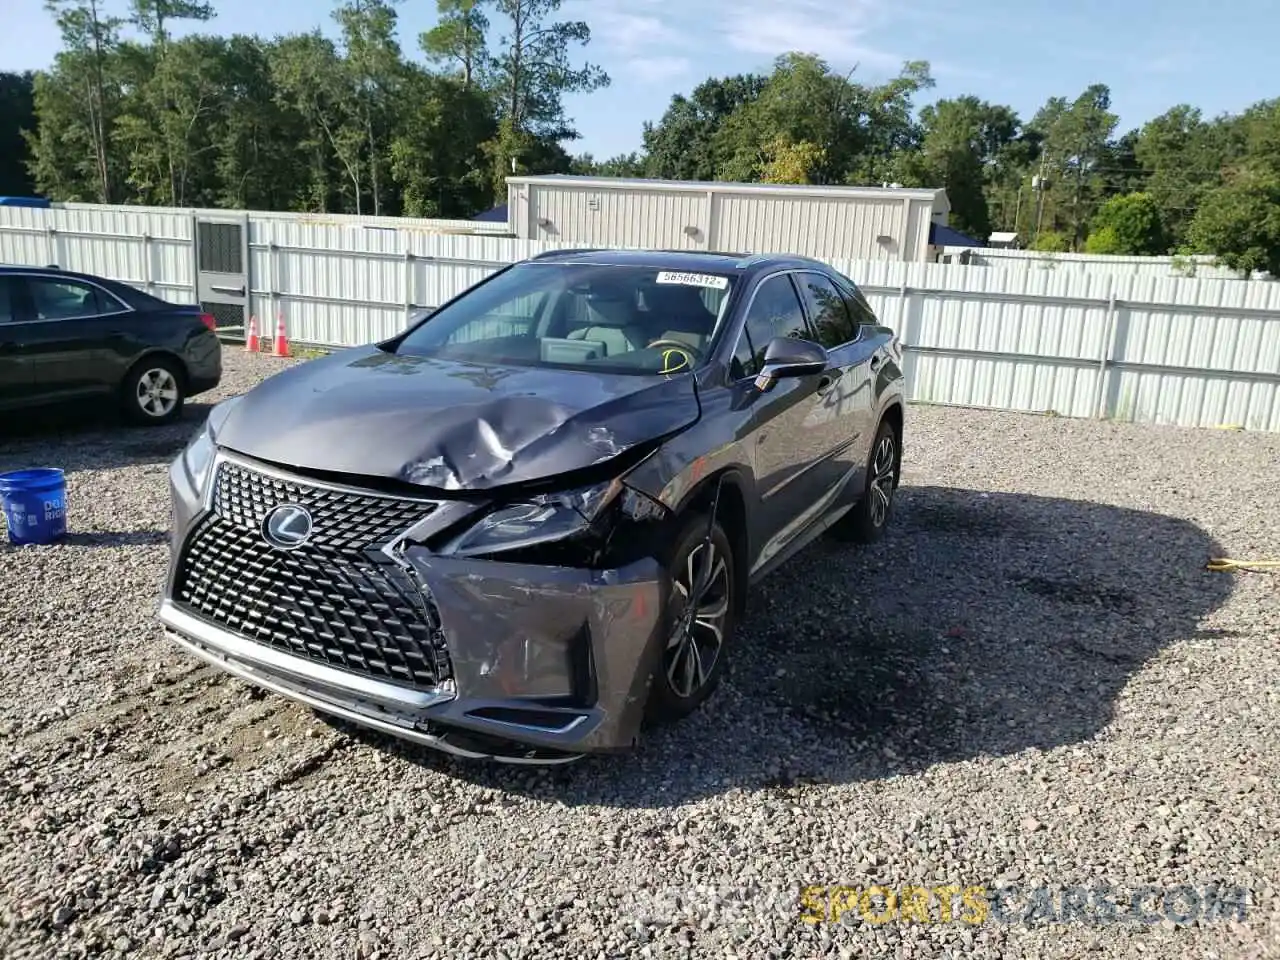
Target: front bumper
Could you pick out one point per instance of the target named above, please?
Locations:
(547, 663)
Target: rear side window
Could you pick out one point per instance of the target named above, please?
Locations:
(66, 299)
(8, 312)
(775, 312)
(859, 310)
(827, 308)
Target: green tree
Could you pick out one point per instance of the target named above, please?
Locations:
(788, 162)
(459, 38)
(17, 118)
(855, 131)
(436, 155)
(962, 144)
(683, 145)
(623, 165)
(1239, 222)
(371, 70)
(310, 82)
(1052, 241)
(1076, 137)
(156, 120)
(80, 96)
(1127, 225)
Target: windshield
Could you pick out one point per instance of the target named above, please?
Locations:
(620, 319)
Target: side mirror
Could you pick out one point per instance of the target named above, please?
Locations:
(789, 357)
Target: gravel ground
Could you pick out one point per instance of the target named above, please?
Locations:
(1032, 684)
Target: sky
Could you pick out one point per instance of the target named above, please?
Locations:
(1217, 56)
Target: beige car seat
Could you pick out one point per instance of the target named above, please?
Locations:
(611, 319)
(679, 313)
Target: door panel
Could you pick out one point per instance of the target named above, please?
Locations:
(845, 419)
(222, 278)
(786, 438)
(68, 338)
(15, 368)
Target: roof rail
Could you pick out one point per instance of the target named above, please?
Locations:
(558, 253)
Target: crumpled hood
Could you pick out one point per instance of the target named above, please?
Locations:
(450, 425)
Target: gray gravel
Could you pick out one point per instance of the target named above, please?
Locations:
(1033, 681)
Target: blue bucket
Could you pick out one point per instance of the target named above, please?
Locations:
(35, 505)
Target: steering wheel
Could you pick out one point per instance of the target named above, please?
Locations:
(687, 355)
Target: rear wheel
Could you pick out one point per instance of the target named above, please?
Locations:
(866, 522)
(153, 392)
(700, 621)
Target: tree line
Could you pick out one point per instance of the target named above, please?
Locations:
(126, 113)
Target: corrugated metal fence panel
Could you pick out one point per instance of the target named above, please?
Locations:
(1215, 347)
(1194, 352)
(149, 249)
(1015, 341)
(1200, 267)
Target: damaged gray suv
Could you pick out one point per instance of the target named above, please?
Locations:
(526, 526)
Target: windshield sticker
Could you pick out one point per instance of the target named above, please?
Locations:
(694, 279)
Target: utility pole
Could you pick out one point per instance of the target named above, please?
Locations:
(1038, 184)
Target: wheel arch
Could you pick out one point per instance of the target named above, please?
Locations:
(733, 517)
(150, 355)
(895, 416)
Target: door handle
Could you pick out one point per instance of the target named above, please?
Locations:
(234, 291)
(876, 360)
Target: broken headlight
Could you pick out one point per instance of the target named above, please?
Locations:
(540, 519)
(586, 513)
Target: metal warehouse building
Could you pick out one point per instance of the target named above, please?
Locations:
(859, 223)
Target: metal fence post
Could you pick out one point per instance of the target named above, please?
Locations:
(51, 234)
(146, 262)
(1108, 350)
(195, 258)
(273, 298)
(409, 285)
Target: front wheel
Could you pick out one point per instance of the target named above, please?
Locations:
(153, 392)
(867, 521)
(700, 621)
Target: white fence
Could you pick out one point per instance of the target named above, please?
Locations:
(1201, 267)
(1195, 352)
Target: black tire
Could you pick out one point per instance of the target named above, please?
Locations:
(868, 520)
(153, 392)
(671, 695)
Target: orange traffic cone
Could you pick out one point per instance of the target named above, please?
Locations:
(281, 348)
(251, 344)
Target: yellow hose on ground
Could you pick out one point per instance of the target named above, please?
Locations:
(1225, 563)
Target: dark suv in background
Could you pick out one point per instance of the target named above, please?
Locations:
(528, 523)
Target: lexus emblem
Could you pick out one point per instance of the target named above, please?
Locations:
(287, 526)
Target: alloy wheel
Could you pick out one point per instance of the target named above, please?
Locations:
(701, 597)
(157, 392)
(882, 480)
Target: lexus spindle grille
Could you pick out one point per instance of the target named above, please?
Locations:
(333, 599)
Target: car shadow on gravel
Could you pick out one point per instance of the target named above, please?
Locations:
(984, 624)
(75, 439)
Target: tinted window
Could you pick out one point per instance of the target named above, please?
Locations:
(831, 319)
(857, 305)
(64, 299)
(580, 315)
(775, 312)
(7, 312)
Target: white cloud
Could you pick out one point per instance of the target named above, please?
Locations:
(836, 30)
(628, 32)
(661, 38)
(657, 69)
